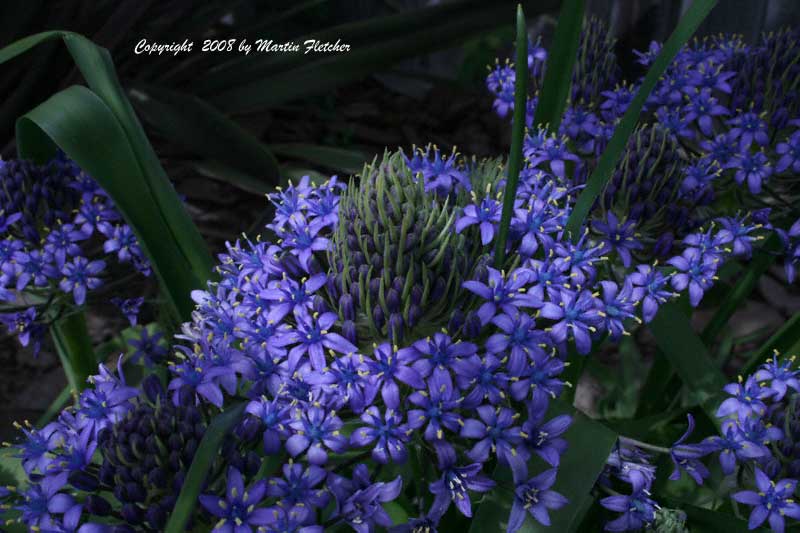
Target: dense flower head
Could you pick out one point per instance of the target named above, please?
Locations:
(52, 216)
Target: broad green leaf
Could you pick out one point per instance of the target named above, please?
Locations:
(688, 356)
(605, 166)
(517, 138)
(702, 520)
(207, 452)
(74, 348)
(185, 256)
(337, 159)
(82, 125)
(560, 64)
(187, 121)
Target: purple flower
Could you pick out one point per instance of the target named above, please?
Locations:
(62, 242)
(541, 380)
(122, 241)
(36, 448)
(107, 403)
(695, 271)
(772, 502)
(286, 294)
(388, 433)
(199, 375)
(486, 215)
(575, 313)
(303, 240)
(553, 151)
(618, 305)
(390, 367)
(737, 231)
(534, 497)
(685, 457)
(702, 108)
(24, 324)
(544, 438)
(733, 445)
(275, 418)
(746, 399)
(637, 509)
(80, 275)
(129, 307)
(43, 498)
(506, 293)
(780, 375)
(439, 173)
(359, 501)
(790, 154)
(8, 219)
(438, 407)
(535, 224)
(148, 348)
(749, 127)
(34, 266)
(754, 168)
(299, 486)
(483, 377)
(346, 381)
(313, 335)
(520, 340)
(455, 483)
(314, 430)
(619, 236)
(238, 510)
(496, 431)
(439, 353)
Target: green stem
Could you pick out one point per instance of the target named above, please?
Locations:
(517, 137)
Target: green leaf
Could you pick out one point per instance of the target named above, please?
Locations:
(560, 64)
(80, 123)
(55, 407)
(688, 356)
(74, 347)
(110, 144)
(734, 299)
(517, 138)
(605, 166)
(337, 159)
(207, 452)
(197, 126)
(702, 520)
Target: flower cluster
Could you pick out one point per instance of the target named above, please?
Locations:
(53, 219)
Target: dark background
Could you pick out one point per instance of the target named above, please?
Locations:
(433, 93)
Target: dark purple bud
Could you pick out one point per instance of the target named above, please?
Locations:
(97, 505)
(349, 331)
(346, 307)
(456, 320)
(374, 288)
(439, 288)
(416, 294)
(249, 428)
(135, 492)
(189, 449)
(398, 284)
(393, 300)
(355, 292)
(156, 517)
(472, 325)
(352, 243)
(414, 314)
(152, 388)
(377, 316)
(132, 513)
(396, 328)
(158, 478)
(376, 261)
(83, 481)
(319, 304)
(186, 395)
(663, 245)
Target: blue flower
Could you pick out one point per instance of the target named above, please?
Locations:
(486, 214)
(695, 271)
(772, 502)
(316, 430)
(299, 487)
(733, 445)
(747, 398)
(274, 417)
(80, 275)
(618, 306)
(686, 457)
(313, 336)
(534, 497)
(439, 173)
(754, 168)
(389, 368)
(749, 127)
(238, 510)
(790, 154)
(484, 378)
(359, 501)
(346, 381)
(780, 375)
(148, 348)
(577, 315)
(496, 432)
(455, 484)
(619, 236)
(129, 307)
(544, 438)
(520, 340)
(505, 292)
(42, 499)
(438, 408)
(702, 108)
(638, 509)
(388, 433)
